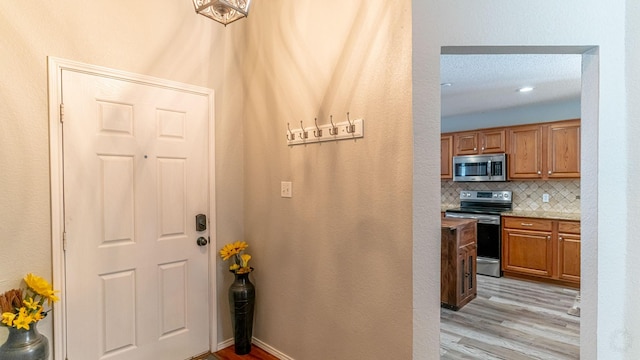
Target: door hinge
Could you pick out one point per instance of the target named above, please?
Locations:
(62, 113)
(64, 241)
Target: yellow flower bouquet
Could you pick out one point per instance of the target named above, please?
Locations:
(22, 307)
(235, 250)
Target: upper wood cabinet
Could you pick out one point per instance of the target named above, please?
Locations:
(545, 151)
(525, 152)
(446, 157)
(563, 150)
(490, 141)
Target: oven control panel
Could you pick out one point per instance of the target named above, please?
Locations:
(488, 195)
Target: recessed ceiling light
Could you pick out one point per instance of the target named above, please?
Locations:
(525, 89)
(446, 84)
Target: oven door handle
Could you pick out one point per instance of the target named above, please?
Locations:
(489, 169)
(482, 219)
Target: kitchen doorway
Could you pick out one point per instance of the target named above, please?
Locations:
(491, 111)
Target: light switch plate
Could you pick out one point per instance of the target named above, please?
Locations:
(285, 189)
(545, 198)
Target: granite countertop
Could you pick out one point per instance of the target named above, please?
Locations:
(552, 215)
(543, 215)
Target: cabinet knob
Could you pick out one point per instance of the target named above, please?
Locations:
(539, 172)
(475, 149)
(549, 237)
(549, 172)
(482, 148)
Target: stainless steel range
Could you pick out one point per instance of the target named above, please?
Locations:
(486, 207)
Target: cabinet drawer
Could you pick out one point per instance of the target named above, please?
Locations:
(468, 234)
(527, 223)
(569, 227)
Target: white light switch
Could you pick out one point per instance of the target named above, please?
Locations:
(545, 197)
(285, 189)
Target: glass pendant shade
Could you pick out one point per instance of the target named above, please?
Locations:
(223, 11)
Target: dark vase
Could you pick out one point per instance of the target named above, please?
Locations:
(25, 345)
(242, 297)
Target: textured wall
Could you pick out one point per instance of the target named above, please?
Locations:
(166, 40)
(333, 263)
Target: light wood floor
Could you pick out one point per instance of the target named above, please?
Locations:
(512, 319)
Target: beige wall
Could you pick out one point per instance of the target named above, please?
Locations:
(333, 263)
(165, 39)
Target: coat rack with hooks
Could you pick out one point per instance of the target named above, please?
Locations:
(348, 129)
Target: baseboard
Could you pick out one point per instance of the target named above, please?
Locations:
(225, 344)
(271, 350)
(261, 344)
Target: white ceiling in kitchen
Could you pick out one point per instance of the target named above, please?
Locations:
(485, 83)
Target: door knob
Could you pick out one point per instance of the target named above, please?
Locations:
(202, 241)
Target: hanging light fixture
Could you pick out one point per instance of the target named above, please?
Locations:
(223, 11)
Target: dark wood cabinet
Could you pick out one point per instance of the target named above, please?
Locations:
(542, 249)
(458, 262)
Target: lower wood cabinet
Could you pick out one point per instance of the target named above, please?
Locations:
(458, 262)
(543, 249)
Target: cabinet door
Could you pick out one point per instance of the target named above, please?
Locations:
(446, 157)
(563, 160)
(569, 257)
(525, 152)
(466, 273)
(493, 142)
(527, 252)
(466, 143)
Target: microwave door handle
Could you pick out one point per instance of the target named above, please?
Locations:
(489, 169)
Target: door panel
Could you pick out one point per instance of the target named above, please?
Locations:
(135, 175)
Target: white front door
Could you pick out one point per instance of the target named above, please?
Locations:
(135, 177)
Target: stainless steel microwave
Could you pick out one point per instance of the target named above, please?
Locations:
(489, 167)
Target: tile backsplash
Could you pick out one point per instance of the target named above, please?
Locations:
(564, 195)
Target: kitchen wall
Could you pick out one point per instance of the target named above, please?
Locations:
(564, 195)
(555, 111)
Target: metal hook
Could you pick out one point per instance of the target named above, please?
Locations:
(304, 134)
(318, 132)
(293, 136)
(334, 129)
(351, 128)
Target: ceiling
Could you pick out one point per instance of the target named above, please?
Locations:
(486, 83)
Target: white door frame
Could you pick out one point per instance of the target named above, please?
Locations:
(56, 65)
